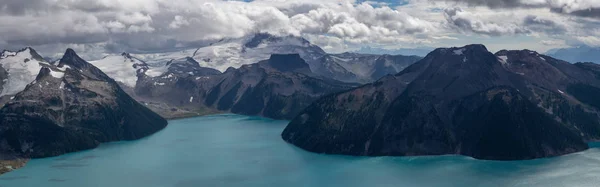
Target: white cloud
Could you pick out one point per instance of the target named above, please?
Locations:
(337, 25)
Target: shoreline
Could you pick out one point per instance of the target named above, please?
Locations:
(11, 165)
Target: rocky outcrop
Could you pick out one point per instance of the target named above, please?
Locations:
(70, 107)
(510, 106)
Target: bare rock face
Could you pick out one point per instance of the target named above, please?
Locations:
(70, 107)
(510, 106)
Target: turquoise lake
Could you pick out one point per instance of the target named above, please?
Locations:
(233, 150)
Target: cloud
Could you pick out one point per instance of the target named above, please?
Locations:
(548, 26)
(112, 26)
(470, 22)
(186, 22)
(583, 8)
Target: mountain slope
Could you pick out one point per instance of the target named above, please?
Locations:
(468, 101)
(70, 107)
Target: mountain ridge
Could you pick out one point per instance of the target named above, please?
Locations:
(439, 104)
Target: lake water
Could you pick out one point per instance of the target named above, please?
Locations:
(233, 150)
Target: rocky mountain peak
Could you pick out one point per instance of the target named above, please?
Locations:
(267, 38)
(287, 62)
(260, 38)
(71, 58)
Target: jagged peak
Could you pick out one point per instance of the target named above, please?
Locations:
(71, 58)
(126, 55)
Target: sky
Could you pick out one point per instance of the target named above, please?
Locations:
(100, 27)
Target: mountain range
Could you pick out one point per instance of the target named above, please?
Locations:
(577, 54)
(186, 83)
(511, 105)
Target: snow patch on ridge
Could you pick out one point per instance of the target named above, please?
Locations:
(459, 51)
(503, 59)
(57, 74)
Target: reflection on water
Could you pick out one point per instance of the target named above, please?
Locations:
(232, 150)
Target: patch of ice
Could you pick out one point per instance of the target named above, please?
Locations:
(459, 51)
(503, 59)
(191, 99)
(62, 85)
(520, 73)
(542, 58)
(159, 83)
(561, 92)
(57, 74)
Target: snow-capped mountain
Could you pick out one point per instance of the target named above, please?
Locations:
(237, 52)
(71, 106)
(233, 53)
(19, 68)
